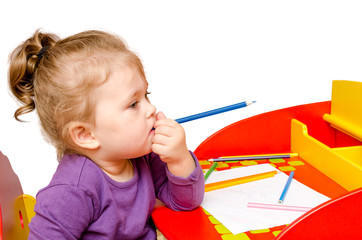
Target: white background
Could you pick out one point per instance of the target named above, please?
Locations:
(198, 55)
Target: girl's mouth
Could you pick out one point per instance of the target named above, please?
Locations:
(152, 130)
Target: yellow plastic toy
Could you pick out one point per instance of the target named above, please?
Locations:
(343, 164)
(346, 109)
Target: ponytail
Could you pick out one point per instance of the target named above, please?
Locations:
(24, 62)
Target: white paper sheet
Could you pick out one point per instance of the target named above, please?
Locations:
(229, 205)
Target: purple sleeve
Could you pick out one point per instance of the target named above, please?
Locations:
(175, 192)
(62, 212)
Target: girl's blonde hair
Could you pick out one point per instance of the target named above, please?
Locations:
(57, 77)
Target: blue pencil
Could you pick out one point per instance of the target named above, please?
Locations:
(213, 112)
(281, 199)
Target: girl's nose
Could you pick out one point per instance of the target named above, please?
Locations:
(151, 111)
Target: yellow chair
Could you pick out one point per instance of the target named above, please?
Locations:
(16, 208)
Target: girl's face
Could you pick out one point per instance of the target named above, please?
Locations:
(124, 117)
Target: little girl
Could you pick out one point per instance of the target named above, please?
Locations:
(116, 155)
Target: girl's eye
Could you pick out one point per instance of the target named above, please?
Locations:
(146, 95)
(134, 104)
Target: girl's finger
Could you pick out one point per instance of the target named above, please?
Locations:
(160, 150)
(160, 115)
(164, 130)
(160, 139)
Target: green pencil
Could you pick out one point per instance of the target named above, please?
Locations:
(213, 166)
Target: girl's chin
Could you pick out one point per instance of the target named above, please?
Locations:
(141, 153)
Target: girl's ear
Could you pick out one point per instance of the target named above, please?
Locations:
(82, 136)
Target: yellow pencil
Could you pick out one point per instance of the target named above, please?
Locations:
(236, 181)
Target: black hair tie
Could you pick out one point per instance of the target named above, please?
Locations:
(41, 52)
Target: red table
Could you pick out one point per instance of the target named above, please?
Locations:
(267, 133)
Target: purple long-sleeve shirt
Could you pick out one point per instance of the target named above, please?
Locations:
(83, 202)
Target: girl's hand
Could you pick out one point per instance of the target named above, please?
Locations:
(169, 143)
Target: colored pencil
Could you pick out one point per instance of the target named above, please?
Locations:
(278, 207)
(253, 157)
(236, 181)
(213, 112)
(212, 168)
(286, 187)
